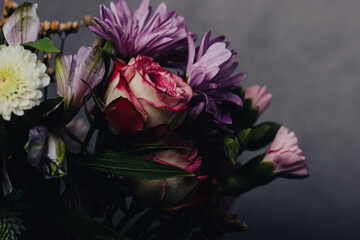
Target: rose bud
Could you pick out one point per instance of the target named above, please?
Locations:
(142, 96)
(170, 193)
(286, 155)
(259, 97)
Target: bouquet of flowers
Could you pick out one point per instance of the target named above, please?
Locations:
(168, 120)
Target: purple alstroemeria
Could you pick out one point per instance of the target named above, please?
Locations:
(46, 152)
(162, 36)
(211, 77)
(71, 73)
(23, 25)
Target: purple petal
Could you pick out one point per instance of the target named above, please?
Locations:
(196, 110)
(88, 66)
(197, 76)
(211, 76)
(216, 54)
(191, 57)
(35, 145)
(233, 82)
(162, 37)
(204, 42)
(142, 13)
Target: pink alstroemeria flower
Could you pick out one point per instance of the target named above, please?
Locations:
(286, 155)
(71, 73)
(142, 95)
(169, 193)
(23, 25)
(259, 97)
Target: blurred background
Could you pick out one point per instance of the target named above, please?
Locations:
(308, 54)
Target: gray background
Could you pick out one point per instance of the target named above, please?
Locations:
(307, 53)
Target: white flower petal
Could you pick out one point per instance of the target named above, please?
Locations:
(20, 80)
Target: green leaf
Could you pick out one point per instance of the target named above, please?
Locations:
(249, 177)
(45, 45)
(83, 225)
(231, 148)
(107, 51)
(262, 135)
(127, 165)
(244, 117)
(244, 137)
(152, 149)
(44, 107)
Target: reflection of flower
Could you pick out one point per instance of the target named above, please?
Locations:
(143, 95)
(88, 66)
(21, 77)
(162, 37)
(210, 76)
(46, 152)
(170, 192)
(259, 97)
(10, 225)
(285, 153)
(78, 129)
(23, 25)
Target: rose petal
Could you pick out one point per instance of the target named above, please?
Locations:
(123, 116)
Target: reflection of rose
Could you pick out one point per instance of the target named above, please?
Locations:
(142, 95)
(170, 193)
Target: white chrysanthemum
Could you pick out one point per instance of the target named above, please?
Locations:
(21, 77)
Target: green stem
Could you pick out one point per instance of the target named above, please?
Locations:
(62, 39)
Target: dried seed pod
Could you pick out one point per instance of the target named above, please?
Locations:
(88, 20)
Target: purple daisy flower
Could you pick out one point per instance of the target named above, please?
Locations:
(162, 37)
(212, 80)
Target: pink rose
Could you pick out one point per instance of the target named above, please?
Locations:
(259, 97)
(171, 193)
(286, 155)
(142, 95)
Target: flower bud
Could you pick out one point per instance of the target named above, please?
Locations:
(169, 193)
(259, 97)
(285, 153)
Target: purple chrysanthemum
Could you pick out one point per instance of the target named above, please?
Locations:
(212, 80)
(162, 37)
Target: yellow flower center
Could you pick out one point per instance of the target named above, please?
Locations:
(8, 82)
